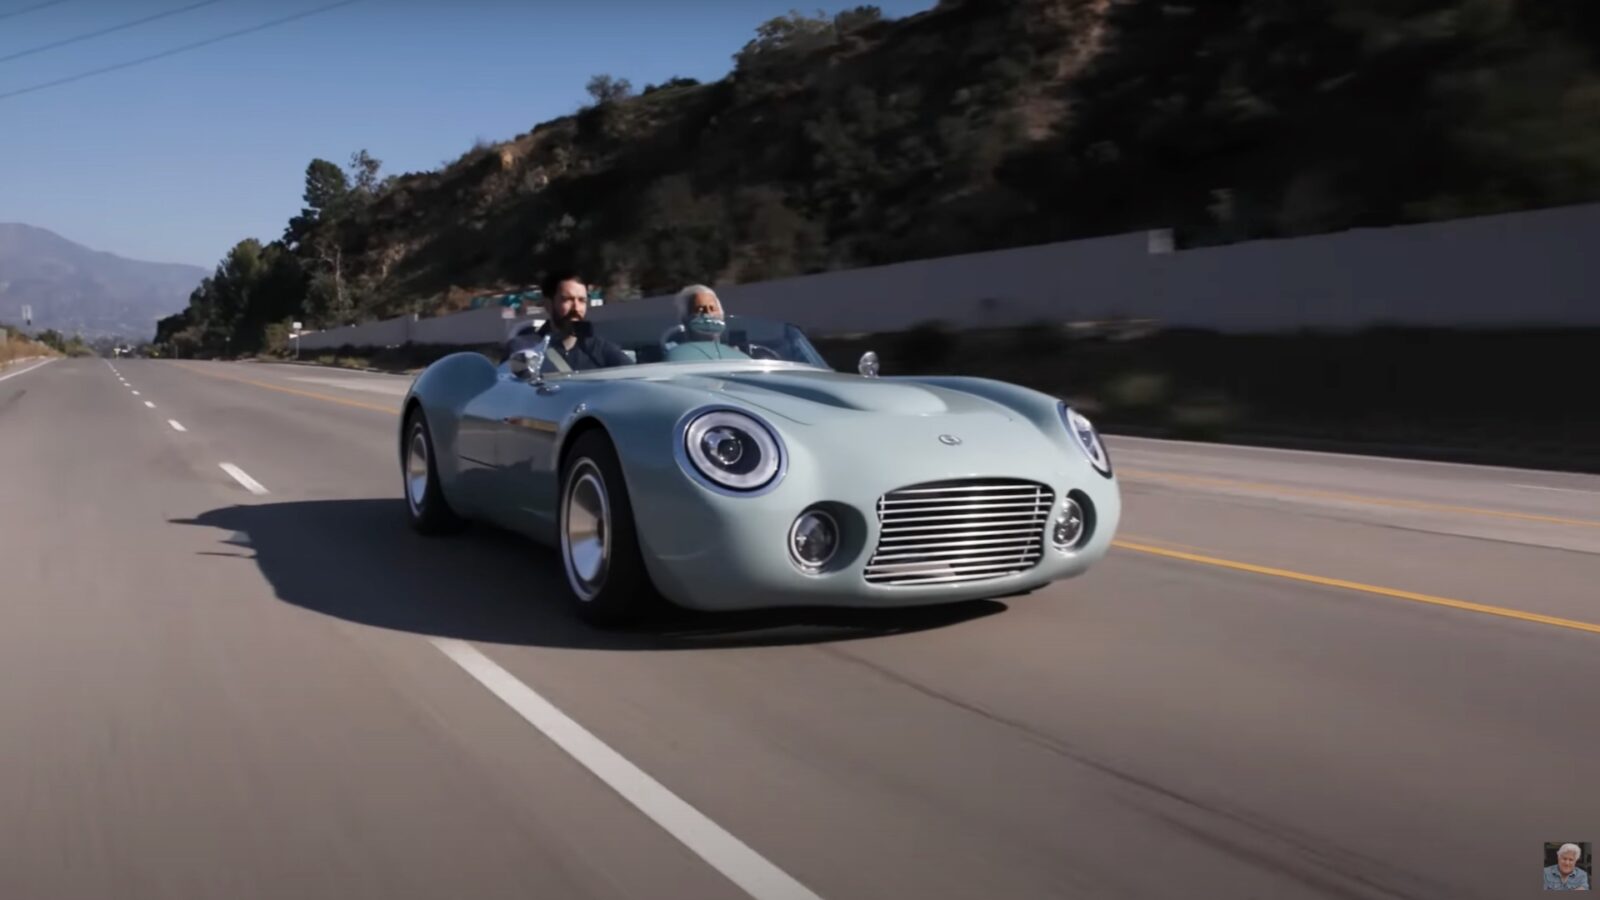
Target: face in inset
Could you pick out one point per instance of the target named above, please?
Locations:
(1566, 861)
(569, 305)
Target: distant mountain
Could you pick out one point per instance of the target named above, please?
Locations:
(73, 288)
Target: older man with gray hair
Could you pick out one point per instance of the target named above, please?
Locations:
(701, 323)
(1565, 874)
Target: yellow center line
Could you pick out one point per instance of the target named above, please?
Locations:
(1149, 475)
(1130, 537)
(1413, 596)
(295, 391)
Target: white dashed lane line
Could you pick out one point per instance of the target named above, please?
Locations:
(136, 393)
(149, 404)
(250, 484)
(175, 425)
(727, 854)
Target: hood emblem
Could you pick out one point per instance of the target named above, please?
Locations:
(949, 440)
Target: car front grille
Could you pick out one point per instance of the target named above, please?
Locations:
(944, 532)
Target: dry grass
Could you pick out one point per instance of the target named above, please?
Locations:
(13, 348)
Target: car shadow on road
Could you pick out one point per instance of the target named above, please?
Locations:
(358, 560)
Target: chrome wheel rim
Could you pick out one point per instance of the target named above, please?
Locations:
(417, 469)
(586, 530)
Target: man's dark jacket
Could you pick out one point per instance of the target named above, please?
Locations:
(589, 352)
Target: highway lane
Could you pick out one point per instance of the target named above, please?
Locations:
(1161, 726)
(173, 729)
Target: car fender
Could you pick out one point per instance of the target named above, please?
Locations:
(443, 390)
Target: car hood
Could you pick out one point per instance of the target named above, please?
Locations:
(811, 397)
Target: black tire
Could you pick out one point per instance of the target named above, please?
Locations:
(621, 593)
(429, 512)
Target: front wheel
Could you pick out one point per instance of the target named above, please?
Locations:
(428, 511)
(599, 546)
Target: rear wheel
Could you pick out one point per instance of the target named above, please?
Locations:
(428, 511)
(599, 545)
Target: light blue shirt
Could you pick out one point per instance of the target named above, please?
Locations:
(1577, 881)
(699, 351)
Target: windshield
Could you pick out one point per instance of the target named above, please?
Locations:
(663, 339)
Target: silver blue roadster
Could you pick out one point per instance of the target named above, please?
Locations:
(752, 474)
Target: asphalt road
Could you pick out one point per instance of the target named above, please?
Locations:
(1299, 675)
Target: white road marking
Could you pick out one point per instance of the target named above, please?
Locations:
(1290, 451)
(136, 393)
(724, 852)
(250, 484)
(149, 404)
(25, 371)
(175, 425)
(1545, 487)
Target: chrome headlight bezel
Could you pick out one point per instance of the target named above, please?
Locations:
(806, 566)
(1086, 437)
(754, 434)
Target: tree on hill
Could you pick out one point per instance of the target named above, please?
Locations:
(849, 140)
(605, 89)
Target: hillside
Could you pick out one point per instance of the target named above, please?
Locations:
(73, 288)
(14, 345)
(976, 125)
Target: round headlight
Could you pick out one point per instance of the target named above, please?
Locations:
(732, 450)
(1087, 439)
(1069, 524)
(813, 539)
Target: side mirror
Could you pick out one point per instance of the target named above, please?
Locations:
(529, 363)
(868, 367)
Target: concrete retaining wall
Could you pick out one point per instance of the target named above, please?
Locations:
(1535, 268)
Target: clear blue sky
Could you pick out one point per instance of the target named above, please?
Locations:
(176, 160)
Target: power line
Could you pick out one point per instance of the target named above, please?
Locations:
(105, 31)
(29, 9)
(176, 50)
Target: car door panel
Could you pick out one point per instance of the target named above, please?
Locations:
(526, 456)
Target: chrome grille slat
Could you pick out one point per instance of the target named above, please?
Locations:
(945, 579)
(957, 568)
(1029, 503)
(957, 531)
(1022, 525)
(975, 518)
(920, 532)
(967, 554)
(957, 497)
(976, 544)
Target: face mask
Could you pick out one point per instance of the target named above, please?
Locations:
(706, 325)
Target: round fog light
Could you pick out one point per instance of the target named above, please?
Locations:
(1069, 524)
(813, 539)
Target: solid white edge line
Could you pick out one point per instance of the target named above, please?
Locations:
(250, 484)
(1332, 454)
(1546, 487)
(149, 404)
(38, 365)
(175, 425)
(724, 852)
